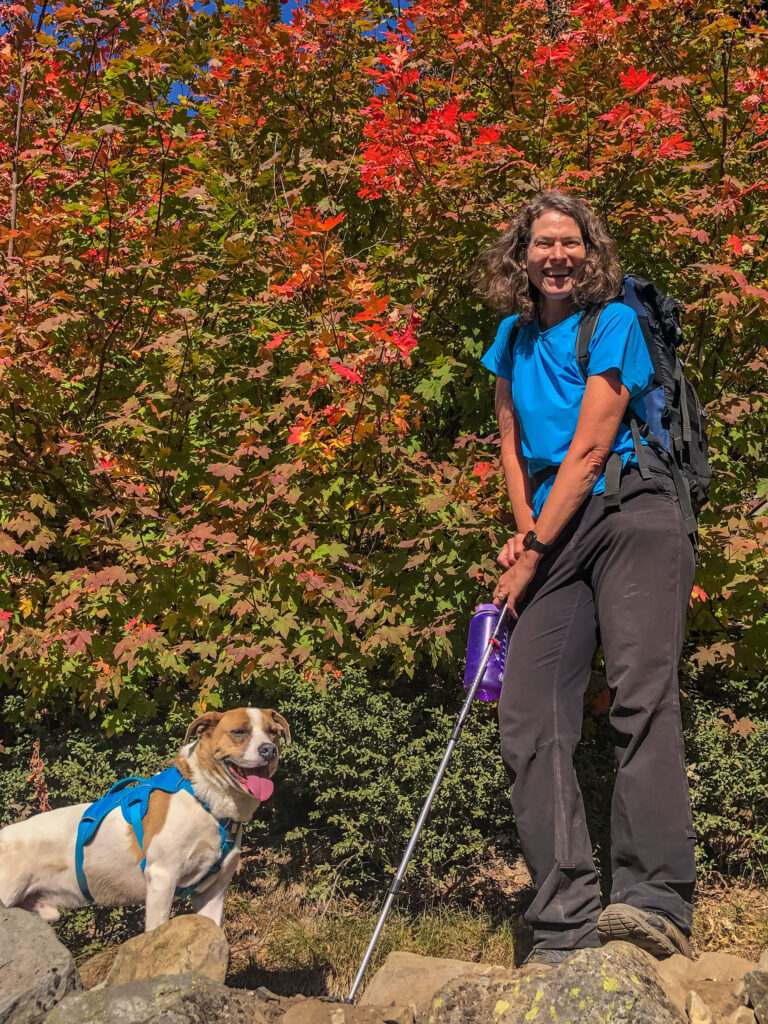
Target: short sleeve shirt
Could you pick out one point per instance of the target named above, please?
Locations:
(547, 385)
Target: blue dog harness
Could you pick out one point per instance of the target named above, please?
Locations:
(133, 801)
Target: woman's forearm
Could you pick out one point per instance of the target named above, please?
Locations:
(575, 479)
(513, 461)
(518, 486)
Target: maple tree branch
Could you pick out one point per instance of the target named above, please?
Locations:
(17, 136)
(724, 122)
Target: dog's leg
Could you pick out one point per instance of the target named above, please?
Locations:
(161, 886)
(210, 903)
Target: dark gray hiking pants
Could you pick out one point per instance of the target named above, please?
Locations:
(621, 578)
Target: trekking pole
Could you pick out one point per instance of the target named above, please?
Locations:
(493, 642)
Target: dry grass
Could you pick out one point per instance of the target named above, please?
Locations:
(283, 940)
(731, 916)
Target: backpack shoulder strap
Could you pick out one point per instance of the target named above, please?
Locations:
(586, 332)
(513, 338)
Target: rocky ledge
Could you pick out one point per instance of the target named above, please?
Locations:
(174, 975)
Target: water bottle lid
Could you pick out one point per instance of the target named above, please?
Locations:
(487, 608)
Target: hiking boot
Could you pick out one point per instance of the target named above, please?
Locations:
(647, 929)
(547, 957)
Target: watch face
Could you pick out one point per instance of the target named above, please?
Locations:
(528, 539)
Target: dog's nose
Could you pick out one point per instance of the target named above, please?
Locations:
(268, 751)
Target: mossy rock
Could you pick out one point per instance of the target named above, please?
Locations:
(617, 984)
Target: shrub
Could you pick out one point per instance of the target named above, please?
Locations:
(360, 771)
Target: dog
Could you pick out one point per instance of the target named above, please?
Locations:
(184, 839)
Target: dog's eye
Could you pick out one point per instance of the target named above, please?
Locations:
(239, 732)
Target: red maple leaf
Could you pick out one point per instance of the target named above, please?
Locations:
(636, 79)
(675, 146)
(277, 339)
(346, 371)
(482, 469)
(487, 136)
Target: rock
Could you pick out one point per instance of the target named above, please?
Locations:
(740, 1016)
(179, 999)
(321, 1011)
(716, 977)
(185, 944)
(36, 971)
(617, 983)
(95, 969)
(756, 984)
(698, 1011)
(763, 962)
(413, 980)
(720, 967)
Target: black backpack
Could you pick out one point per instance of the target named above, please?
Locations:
(674, 426)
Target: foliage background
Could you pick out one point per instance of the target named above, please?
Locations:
(248, 451)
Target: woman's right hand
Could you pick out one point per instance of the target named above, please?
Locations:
(511, 551)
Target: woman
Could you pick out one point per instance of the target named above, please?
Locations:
(579, 573)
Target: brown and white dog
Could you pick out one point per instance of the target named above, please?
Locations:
(227, 757)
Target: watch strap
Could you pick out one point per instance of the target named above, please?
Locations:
(532, 543)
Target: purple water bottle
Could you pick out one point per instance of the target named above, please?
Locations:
(480, 631)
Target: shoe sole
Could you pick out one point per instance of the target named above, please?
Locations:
(626, 924)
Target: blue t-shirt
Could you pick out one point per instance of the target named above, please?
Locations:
(547, 385)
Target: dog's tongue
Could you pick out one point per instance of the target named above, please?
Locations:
(257, 786)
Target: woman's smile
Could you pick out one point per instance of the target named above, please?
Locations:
(555, 253)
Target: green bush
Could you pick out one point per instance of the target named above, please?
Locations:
(361, 769)
(350, 788)
(80, 761)
(729, 789)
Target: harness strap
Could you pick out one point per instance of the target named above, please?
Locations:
(684, 497)
(133, 805)
(89, 824)
(642, 460)
(613, 468)
(82, 881)
(675, 437)
(135, 819)
(685, 412)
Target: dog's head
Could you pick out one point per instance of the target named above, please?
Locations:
(241, 746)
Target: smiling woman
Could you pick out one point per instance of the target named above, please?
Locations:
(585, 567)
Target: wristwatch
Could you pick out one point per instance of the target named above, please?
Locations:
(531, 543)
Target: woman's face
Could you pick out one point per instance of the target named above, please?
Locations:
(555, 253)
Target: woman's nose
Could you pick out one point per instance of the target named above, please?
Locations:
(558, 251)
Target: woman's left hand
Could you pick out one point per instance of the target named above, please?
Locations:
(514, 582)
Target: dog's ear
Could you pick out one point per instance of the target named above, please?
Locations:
(203, 724)
(282, 726)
